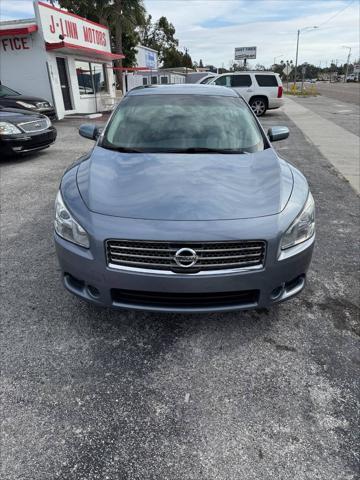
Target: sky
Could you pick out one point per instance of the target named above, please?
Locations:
(211, 29)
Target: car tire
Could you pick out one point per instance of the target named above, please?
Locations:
(258, 105)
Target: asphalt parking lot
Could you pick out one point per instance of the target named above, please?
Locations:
(99, 394)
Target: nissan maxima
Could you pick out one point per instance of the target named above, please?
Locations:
(183, 205)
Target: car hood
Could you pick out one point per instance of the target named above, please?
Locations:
(24, 98)
(167, 186)
(18, 115)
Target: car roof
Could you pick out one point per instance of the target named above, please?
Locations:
(183, 89)
(246, 72)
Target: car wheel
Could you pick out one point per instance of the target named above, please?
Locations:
(258, 106)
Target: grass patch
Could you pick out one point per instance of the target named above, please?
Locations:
(305, 92)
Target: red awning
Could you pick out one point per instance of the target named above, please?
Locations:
(11, 32)
(90, 52)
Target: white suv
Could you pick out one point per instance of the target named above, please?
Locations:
(262, 90)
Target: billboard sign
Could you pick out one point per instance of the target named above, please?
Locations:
(241, 53)
(58, 24)
(150, 59)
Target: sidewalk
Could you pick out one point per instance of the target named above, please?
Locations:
(339, 146)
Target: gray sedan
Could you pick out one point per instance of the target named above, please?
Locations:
(183, 205)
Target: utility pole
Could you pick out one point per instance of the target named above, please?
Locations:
(297, 53)
(347, 63)
(186, 54)
(297, 47)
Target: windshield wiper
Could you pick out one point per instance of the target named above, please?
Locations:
(207, 150)
(123, 149)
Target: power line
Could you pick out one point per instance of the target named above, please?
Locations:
(336, 14)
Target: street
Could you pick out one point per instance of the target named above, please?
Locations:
(343, 92)
(98, 394)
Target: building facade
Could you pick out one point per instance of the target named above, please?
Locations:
(60, 57)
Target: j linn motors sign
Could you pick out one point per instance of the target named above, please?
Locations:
(59, 25)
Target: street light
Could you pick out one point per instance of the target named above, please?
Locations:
(305, 29)
(279, 56)
(347, 62)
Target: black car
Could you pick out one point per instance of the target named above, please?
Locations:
(22, 131)
(11, 98)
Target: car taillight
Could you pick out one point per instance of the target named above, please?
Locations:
(280, 92)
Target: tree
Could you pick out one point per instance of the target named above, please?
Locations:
(174, 58)
(123, 17)
(201, 64)
(160, 36)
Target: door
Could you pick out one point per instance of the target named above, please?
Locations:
(243, 84)
(64, 83)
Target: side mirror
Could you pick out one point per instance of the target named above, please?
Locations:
(278, 133)
(88, 130)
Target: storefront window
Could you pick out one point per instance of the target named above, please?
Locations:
(91, 76)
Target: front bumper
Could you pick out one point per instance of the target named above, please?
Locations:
(49, 112)
(27, 142)
(86, 275)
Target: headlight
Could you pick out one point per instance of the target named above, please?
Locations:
(67, 227)
(7, 128)
(48, 121)
(43, 105)
(26, 105)
(302, 228)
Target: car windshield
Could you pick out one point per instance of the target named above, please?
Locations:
(5, 91)
(183, 123)
(206, 80)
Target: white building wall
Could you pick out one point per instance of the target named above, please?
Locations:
(25, 69)
(80, 103)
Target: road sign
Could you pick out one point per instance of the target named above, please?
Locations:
(242, 53)
(287, 70)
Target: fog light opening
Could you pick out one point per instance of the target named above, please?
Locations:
(93, 291)
(295, 283)
(277, 292)
(73, 282)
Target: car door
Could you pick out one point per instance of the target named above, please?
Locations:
(242, 83)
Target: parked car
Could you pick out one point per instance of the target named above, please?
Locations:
(262, 90)
(205, 80)
(195, 77)
(351, 78)
(184, 205)
(12, 99)
(22, 131)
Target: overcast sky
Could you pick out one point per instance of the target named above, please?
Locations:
(211, 29)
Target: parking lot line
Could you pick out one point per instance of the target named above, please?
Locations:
(338, 145)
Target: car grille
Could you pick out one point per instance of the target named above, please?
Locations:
(210, 256)
(185, 300)
(35, 126)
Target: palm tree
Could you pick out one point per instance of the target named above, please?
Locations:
(127, 16)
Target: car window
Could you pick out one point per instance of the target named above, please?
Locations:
(5, 91)
(206, 80)
(240, 81)
(224, 80)
(266, 80)
(161, 123)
